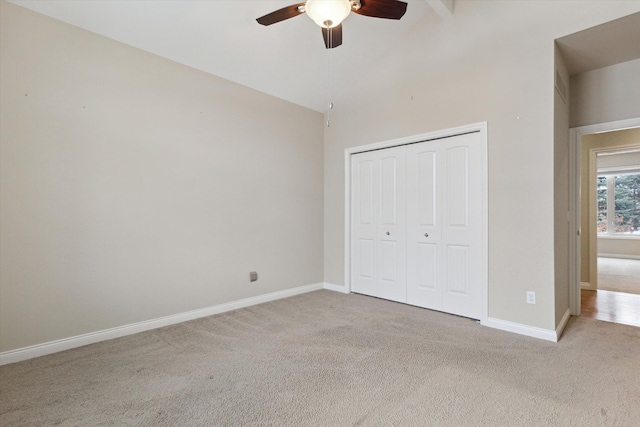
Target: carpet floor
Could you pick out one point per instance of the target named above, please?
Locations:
(619, 275)
(328, 359)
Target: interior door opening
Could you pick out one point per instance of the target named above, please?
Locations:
(598, 231)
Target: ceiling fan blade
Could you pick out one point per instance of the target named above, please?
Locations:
(388, 9)
(281, 14)
(332, 36)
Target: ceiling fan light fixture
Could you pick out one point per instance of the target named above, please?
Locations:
(328, 13)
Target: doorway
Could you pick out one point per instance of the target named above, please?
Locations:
(617, 298)
(609, 305)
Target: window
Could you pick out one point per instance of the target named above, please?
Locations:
(619, 204)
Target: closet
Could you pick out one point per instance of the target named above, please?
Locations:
(416, 224)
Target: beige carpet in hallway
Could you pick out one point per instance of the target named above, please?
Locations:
(329, 359)
(620, 275)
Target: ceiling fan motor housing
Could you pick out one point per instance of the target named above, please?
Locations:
(355, 5)
(328, 14)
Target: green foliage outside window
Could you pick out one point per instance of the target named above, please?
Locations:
(602, 204)
(627, 204)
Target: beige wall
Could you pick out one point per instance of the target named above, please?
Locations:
(133, 187)
(590, 144)
(466, 70)
(606, 94)
(622, 248)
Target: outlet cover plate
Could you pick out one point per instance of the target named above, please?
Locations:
(531, 297)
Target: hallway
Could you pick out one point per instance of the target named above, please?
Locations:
(620, 275)
(609, 306)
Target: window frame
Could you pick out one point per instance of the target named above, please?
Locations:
(610, 175)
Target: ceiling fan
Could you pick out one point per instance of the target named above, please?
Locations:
(329, 14)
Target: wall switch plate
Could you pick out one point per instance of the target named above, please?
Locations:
(253, 276)
(531, 297)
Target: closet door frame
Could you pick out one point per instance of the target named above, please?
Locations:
(481, 128)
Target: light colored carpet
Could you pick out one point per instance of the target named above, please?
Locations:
(329, 359)
(620, 275)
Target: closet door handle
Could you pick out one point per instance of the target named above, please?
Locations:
(388, 233)
(426, 234)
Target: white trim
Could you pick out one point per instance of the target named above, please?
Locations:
(622, 256)
(335, 288)
(563, 324)
(518, 328)
(618, 170)
(574, 222)
(587, 286)
(592, 219)
(480, 127)
(37, 350)
(617, 152)
(575, 136)
(618, 236)
(347, 221)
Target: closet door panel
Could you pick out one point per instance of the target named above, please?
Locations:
(364, 177)
(457, 269)
(461, 231)
(457, 191)
(366, 259)
(417, 224)
(427, 267)
(391, 225)
(423, 229)
(378, 223)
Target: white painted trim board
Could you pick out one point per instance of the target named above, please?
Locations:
(531, 331)
(504, 325)
(519, 328)
(25, 353)
(336, 288)
(619, 256)
(563, 323)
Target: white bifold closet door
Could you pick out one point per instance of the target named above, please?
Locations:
(416, 231)
(379, 258)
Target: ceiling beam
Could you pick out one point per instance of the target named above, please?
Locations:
(444, 8)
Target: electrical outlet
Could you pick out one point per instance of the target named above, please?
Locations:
(531, 297)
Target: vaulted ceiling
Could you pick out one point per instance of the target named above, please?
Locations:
(288, 59)
(222, 37)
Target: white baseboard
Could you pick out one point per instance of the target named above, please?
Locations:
(519, 328)
(563, 324)
(587, 286)
(545, 334)
(335, 288)
(37, 350)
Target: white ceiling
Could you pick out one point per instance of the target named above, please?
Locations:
(288, 59)
(221, 37)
